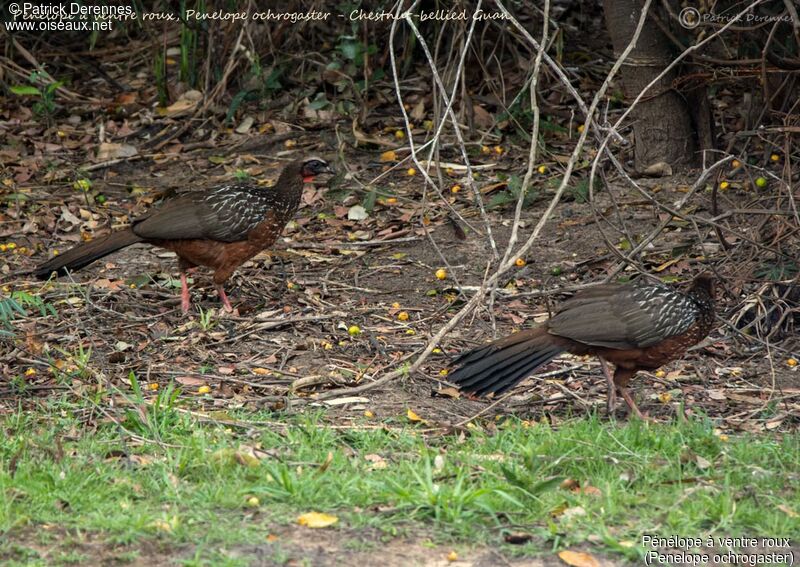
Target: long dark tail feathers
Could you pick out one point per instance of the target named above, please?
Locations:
(84, 254)
(500, 365)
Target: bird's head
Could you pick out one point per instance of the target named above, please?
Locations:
(704, 283)
(313, 166)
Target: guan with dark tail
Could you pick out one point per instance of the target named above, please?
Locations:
(638, 326)
(220, 228)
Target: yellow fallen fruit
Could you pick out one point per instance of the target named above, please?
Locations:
(412, 416)
(520, 262)
(317, 520)
(253, 502)
(354, 330)
(542, 169)
(724, 185)
(390, 155)
(403, 316)
(441, 274)
(792, 362)
(452, 556)
(203, 390)
(411, 171)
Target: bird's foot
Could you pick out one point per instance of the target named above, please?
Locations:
(224, 298)
(611, 403)
(634, 408)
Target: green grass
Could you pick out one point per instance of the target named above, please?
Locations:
(191, 489)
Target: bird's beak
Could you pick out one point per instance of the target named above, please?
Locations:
(329, 169)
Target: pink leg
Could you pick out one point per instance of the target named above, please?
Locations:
(184, 292)
(224, 298)
(611, 403)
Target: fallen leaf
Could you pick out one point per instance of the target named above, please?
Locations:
(418, 112)
(190, 381)
(578, 559)
(357, 213)
(660, 169)
(572, 512)
(448, 392)
(569, 484)
(107, 151)
(107, 284)
(788, 511)
(591, 491)
(701, 462)
(181, 106)
(317, 520)
(482, 117)
(376, 461)
(245, 125)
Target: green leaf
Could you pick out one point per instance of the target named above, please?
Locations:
(236, 101)
(319, 102)
(51, 88)
(350, 49)
(369, 200)
(25, 90)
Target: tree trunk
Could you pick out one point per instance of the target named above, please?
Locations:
(662, 125)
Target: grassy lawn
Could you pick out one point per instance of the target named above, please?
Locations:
(183, 483)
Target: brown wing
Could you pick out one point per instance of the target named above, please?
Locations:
(624, 316)
(226, 214)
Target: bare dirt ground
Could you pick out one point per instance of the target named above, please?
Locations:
(289, 547)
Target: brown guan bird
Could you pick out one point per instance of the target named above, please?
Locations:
(637, 326)
(221, 228)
